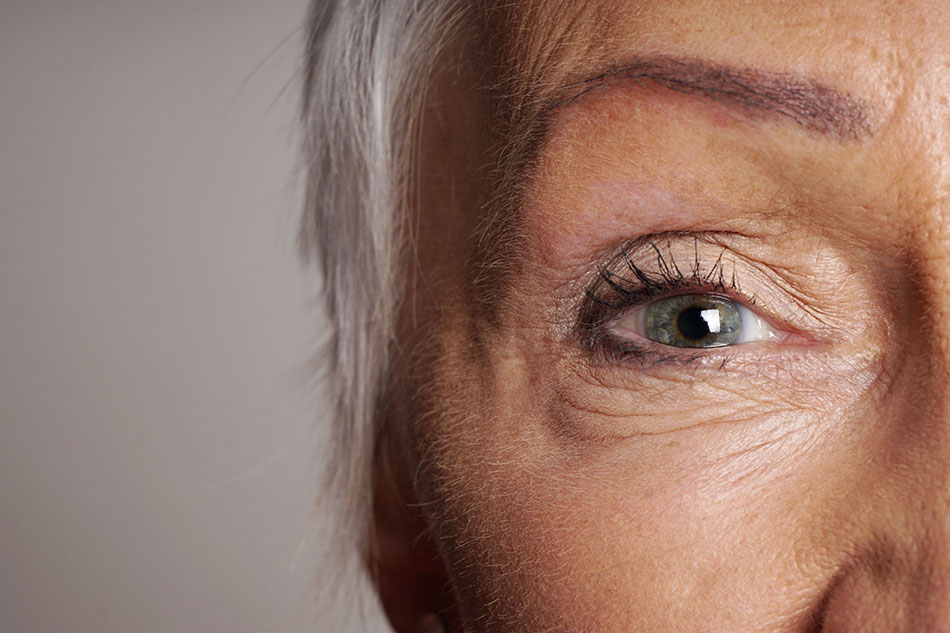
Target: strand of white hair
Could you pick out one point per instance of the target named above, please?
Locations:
(367, 65)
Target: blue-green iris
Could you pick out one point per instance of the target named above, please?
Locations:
(693, 321)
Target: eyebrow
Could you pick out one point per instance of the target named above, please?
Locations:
(760, 94)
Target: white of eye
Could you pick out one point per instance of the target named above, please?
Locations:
(694, 321)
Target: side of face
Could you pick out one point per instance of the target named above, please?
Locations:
(580, 474)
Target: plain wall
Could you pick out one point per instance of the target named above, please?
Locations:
(159, 428)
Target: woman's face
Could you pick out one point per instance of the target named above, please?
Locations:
(696, 376)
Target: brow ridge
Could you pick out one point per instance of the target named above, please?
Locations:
(759, 94)
(806, 102)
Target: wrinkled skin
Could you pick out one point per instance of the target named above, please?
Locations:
(796, 483)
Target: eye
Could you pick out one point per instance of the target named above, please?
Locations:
(695, 321)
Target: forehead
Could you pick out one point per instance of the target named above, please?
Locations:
(890, 58)
(550, 38)
(880, 47)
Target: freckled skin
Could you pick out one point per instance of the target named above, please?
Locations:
(793, 486)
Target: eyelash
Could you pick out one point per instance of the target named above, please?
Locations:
(644, 287)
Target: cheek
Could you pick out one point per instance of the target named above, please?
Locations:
(547, 531)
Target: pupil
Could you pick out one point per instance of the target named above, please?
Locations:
(692, 323)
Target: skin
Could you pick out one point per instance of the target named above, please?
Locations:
(798, 483)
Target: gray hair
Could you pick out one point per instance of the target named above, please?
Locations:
(367, 66)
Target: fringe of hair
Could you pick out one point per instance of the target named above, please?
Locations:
(366, 69)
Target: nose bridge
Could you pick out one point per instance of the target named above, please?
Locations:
(933, 253)
(934, 594)
(927, 465)
(932, 268)
(929, 213)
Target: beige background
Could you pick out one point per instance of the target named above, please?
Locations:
(157, 414)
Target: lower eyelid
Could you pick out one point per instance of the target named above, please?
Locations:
(612, 353)
(615, 353)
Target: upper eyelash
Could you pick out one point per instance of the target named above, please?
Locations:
(670, 277)
(638, 286)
